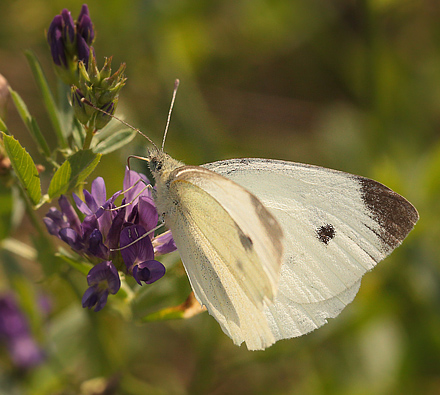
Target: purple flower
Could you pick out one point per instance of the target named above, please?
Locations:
(15, 333)
(102, 280)
(107, 229)
(139, 256)
(164, 243)
(70, 41)
(56, 41)
(68, 26)
(90, 236)
(85, 34)
(66, 218)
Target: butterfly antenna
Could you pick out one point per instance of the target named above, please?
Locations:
(89, 103)
(176, 86)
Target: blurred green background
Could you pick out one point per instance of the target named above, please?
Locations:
(351, 85)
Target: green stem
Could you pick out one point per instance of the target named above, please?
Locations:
(89, 135)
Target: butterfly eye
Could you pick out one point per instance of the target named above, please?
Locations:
(156, 165)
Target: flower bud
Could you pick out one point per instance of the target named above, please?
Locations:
(103, 119)
(106, 69)
(56, 42)
(68, 27)
(85, 25)
(92, 69)
(70, 42)
(79, 107)
(99, 87)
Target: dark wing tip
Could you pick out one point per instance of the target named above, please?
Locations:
(395, 215)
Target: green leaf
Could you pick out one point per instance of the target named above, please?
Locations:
(81, 266)
(3, 127)
(115, 141)
(30, 123)
(72, 172)
(48, 99)
(24, 168)
(77, 132)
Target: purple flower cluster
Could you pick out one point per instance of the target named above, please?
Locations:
(113, 237)
(16, 335)
(69, 40)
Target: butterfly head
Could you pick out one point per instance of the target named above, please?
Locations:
(161, 164)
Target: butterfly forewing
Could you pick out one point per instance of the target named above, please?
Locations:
(231, 246)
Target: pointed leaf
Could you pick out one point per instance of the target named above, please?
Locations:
(24, 168)
(81, 266)
(30, 123)
(72, 172)
(3, 127)
(77, 132)
(48, 99)
(115, 141)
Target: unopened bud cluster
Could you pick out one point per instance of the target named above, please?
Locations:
(101, 88)
(70, 43)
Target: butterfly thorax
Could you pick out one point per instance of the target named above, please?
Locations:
(162, 166)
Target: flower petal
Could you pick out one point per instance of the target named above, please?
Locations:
(148, 215)
(83, 49)
(102, 301)
(90, 201)
(70, 213)
(98, 191)
(105, 216)
(149, 271)
(114, 232)
(68, 26)
(164, 243)
(89, 224)
(85, 25)
(137, 182)
(96, 246)
(104, 271)
(54, 221)
(140, 251)
(51, 226)
(69, 236)
(90, 297)
(81, 205)
(55, 40)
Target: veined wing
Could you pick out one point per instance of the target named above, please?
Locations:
(337, 226)
(231, 247)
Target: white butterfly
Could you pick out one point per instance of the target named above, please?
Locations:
(274, 248)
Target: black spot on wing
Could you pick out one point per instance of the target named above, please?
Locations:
(326, 233)
(395, 215)
(246, 242)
